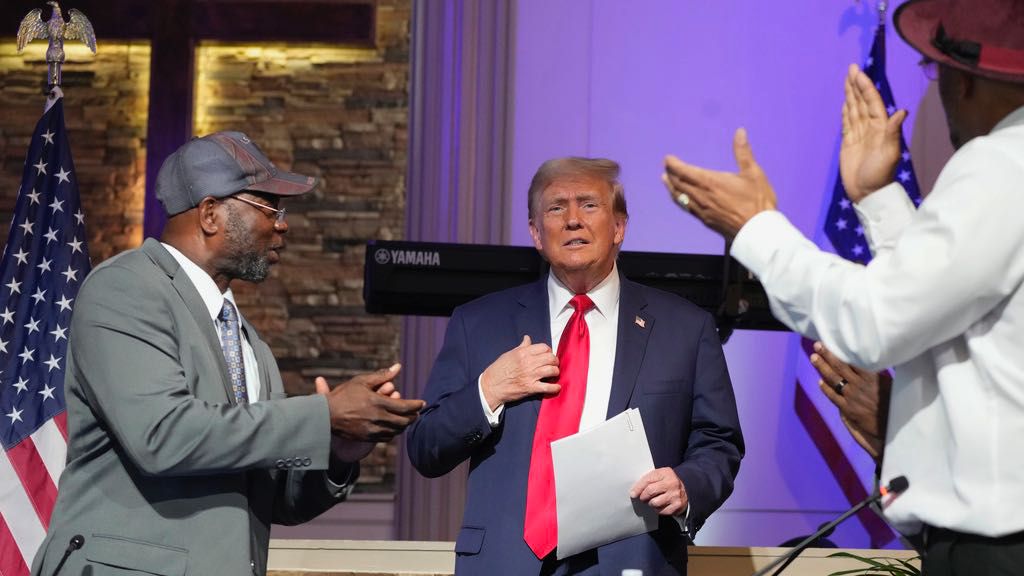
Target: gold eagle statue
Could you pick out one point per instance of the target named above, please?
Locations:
(55, 29)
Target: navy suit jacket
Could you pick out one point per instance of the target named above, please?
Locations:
(669, 364)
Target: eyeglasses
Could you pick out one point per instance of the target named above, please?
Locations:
(279, 213)
(929, 67)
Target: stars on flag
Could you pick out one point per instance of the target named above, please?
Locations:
(15, 415)
(27, 355)
(53, 362)
(39, 296)
(70, 275)
(32, 326)
(64, 303)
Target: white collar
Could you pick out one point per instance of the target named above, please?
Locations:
(1012, 119)
(204, 284)
(605, 295)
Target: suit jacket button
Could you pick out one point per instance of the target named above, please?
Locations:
(307, 461)
(279, 464)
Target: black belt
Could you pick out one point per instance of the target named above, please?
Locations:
(931, 535)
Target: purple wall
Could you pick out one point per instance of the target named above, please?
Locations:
(636, 80)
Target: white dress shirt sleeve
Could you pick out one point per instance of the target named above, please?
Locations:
(954, 262)
(885, 214)
(493, 416)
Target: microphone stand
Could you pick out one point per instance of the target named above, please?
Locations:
(76, 542)
(896, 486)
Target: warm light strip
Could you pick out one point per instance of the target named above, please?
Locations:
(214, 60)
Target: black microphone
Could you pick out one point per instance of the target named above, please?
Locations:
(896, 486)
(76, 542)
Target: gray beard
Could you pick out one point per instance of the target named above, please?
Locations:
(243, 263)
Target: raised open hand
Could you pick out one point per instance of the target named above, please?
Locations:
(871, 138)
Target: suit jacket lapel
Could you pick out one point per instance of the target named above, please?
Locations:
(533, 318)
(190, 297)
(635, 326)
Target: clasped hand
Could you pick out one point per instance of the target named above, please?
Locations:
(519, 373)
(366, 409)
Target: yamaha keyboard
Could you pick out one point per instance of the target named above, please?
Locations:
(431, 279)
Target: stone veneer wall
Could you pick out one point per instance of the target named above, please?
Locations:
(337, 113)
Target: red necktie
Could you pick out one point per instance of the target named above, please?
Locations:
(559, 417)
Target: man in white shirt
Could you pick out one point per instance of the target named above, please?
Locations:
(182, 445)
(498, 395)
(941, 301)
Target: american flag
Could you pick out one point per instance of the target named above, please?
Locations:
(842, 233)
(44, 262)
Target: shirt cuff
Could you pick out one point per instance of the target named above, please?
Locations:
(757, 241)
(683, 519)
(884, 215)
(493, 416)
(342, 491)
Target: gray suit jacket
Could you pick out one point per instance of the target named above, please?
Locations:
(165, 474)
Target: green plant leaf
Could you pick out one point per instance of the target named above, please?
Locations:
(877, 566)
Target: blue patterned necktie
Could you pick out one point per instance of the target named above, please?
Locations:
(231, 345)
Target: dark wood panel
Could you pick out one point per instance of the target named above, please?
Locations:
(332, 21)
(112, 19)
(328, 21)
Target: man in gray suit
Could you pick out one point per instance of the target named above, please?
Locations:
(182, 447)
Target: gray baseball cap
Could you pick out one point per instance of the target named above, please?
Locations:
(219, 165)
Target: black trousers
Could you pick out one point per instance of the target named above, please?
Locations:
(949, 553)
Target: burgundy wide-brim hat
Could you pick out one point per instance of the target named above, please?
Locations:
(984, 37)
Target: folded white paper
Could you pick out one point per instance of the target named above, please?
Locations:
(594, 471)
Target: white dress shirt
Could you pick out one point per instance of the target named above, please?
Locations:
(941, 302)
(214, 301)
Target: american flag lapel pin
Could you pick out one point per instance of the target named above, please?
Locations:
(640, 322)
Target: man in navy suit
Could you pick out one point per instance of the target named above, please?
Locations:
(497, 387)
